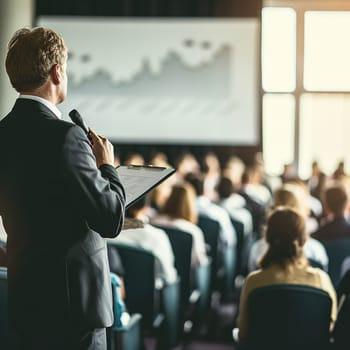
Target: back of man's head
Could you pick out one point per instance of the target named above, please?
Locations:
(336, 200)
(197, 181)
(31, 55)
(136, 207)
(225, 187)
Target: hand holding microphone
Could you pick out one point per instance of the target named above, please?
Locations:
(101, 147)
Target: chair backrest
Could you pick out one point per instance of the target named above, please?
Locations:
(288, 317)
(4, 322)
(345, 266)
(315, 263)
(337, 250)
(141, 295)
(211, 232)
(181, 243)
(340, 333)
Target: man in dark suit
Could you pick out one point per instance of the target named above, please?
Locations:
(335, 205)
(59, 196)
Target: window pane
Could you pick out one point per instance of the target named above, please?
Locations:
(278, 131)
(324, 131)
(327, 51)
(278, 43)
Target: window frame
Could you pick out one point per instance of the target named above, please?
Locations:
(300, 7)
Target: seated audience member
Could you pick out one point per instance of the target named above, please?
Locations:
(339, 171)
(136, 231)
(234, 204)
(185, 163)
(211, 169)
(234, 170)
(121, 316)
(208, 209)
(284, 263)
(180, 212)
(313, 205)
(293, 197)
(335, 205)
(345, 266)
(3, 258)
(116, 267)
(253, 187)
(3, 234)
(159, 196)
(343, 288)
(3, 239)
(288, 173)
(255, 207)
(269, 181)
(134, 159)
(159, 159)
(317, 180)
(345, 182)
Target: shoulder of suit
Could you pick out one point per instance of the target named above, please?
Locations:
(61, 124)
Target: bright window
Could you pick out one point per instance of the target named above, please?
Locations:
(327, 51)
(324, 131)
(278, 45)
(305, 59)
(278, 131)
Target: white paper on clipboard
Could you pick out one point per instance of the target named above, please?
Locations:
(140, 179)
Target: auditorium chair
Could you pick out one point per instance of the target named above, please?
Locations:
(337, 250)
(211, 231)
(288, 317)
(340, 334)
(157, 304)
(195, 289)
(127, 335)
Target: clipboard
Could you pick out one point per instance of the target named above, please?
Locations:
(140, 179)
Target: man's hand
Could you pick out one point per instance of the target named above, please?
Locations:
(102, 149)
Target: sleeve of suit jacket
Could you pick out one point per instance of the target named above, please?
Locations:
(101, 196)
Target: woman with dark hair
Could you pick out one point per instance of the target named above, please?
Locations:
(295, 197)
(284, 263)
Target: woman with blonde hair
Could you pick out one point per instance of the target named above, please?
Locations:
(180, 212)
(284, 263)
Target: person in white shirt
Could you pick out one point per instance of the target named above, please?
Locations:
(180, 212)
(3, 235)
(207, 208)
(138, 232)
(234, 204)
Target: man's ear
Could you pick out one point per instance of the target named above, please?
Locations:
(56, 74)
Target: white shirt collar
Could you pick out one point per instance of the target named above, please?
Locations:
(47, 103)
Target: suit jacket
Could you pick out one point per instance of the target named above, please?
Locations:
(56, 208)
(337, 228)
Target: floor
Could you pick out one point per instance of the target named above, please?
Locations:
(216, 333)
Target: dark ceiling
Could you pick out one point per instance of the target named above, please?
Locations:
(154, 8)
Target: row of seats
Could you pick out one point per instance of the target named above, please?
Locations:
(170, 311)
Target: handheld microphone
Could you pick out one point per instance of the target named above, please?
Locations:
(78, 120)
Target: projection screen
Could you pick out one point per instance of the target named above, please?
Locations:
(179, 81)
